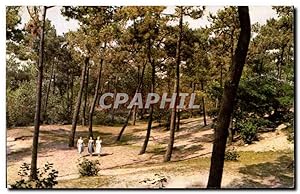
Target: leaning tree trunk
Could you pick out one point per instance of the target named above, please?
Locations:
(144, 147)
(92, 109)
(85, 96)
(37, 117)
(78, 103)
(169, 151)
(130, 111)
(203, 105)
(227, 103)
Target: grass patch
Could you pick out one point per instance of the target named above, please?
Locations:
(85, 182)
(251, 157)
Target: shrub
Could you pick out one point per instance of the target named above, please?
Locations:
(20, 105)
(46, 177)
(248, 130)
(231, 155)
(88, 168)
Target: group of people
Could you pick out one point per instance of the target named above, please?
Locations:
(91, 145)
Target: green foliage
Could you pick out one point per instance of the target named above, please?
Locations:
(248, 130)
(13, 19)
(46, 177)
(104, 118)
(20, 104)
(88, 168)
(231, 155)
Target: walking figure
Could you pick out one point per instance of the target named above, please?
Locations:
(80, 146)
(91, 146)
(98, 146)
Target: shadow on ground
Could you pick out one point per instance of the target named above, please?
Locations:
(277, 174)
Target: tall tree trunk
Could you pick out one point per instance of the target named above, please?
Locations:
(135, 107)
(143, 110)
(203, 105)
(92, 109)
(68, 97)
(151, 61)
(227, 103)
(37, 116)
(72, 96)
(47, 94)
(169, 151)
(78, 103)
(221, 77)
(193, 90)
(85, 96)
(138, 89)
(112, 111)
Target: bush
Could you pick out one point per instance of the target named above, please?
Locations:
(231, 155)
(20, 105)
(248, 130)
(46, 177)
(88, 168)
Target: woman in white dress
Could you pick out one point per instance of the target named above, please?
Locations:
(80, 145)
(98, 146)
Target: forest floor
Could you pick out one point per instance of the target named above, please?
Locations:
(263, 164)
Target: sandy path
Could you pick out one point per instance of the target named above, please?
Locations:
(191, 141)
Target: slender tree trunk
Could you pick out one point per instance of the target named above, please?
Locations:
(37, 117)
(78, 104)
(68, 97)
(227, 103)
(135, 107)
(47, 94)
(203, 105)
(193, 90)
(92, 109)
(142, 111)
(112, 111)
(144, 147)
(130, 111)
(169, 151)
(72, 96)
(221, 77)
(85, 96)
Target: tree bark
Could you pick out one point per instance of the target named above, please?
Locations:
(92, 109)
(203, 105)
(227, 103)
(85, 96)
(37, 117)
(169, 151)
(144, 147)
(78, 104)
